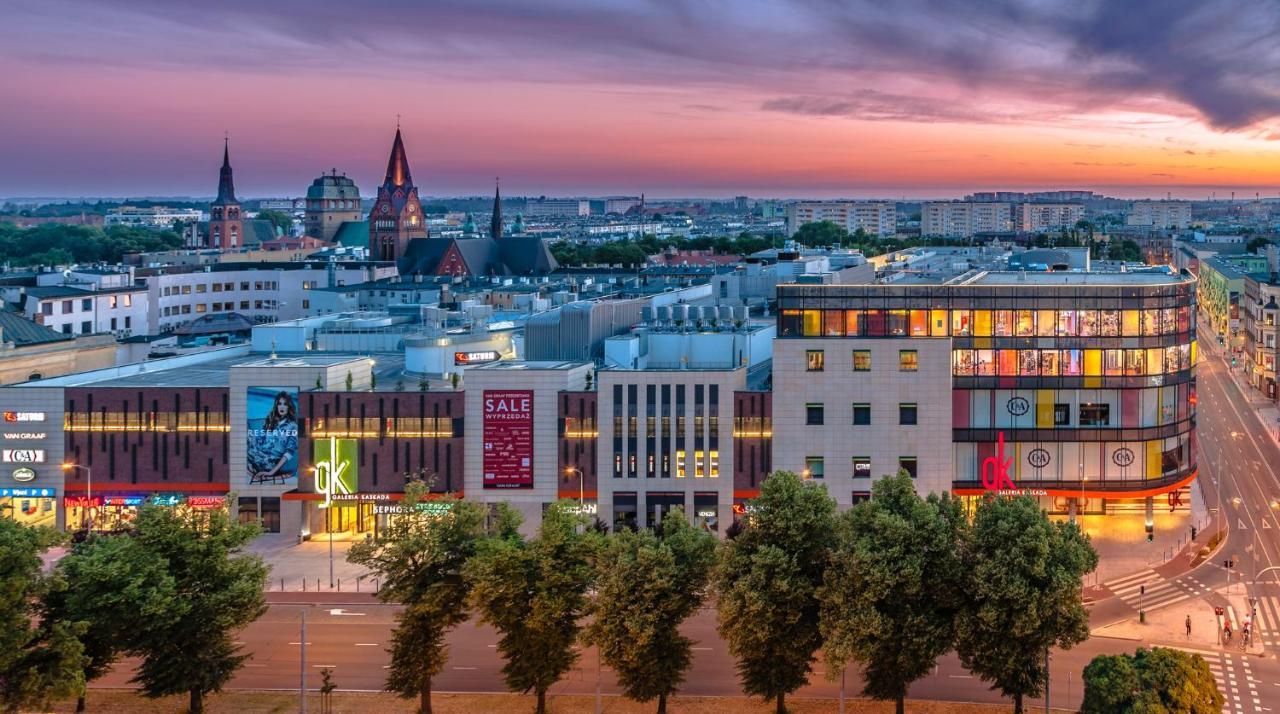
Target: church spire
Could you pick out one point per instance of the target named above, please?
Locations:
(398, 165)
(495, 223)
(226, 187)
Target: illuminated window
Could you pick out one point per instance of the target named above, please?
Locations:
(862, 467)
(815, 360)
(984, 363)
(908, 360)
(1061, 414)
(1025, 325)
(862, 360)
(713, 470)
(962, 363)
(1155, 361)
(1130, 320)
(1002, 323)
(1028, 363)
(680, 465)
(812, 323)
(938, 323)
(960, 323)
(1114, 363)
(833, 323)
(1150, 322)
(1049, 363)
(1135, 363)
(853, 323)
(1071, 363)
(875, 323)
(813, 467)
(1008, 363)
(919, 323)
(1093, 363)
(1088, 323)
(897, 323)
(1045, 320)
(699, 466)
(1109, 323)
(981, 323)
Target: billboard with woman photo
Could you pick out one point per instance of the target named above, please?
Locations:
(272, 449)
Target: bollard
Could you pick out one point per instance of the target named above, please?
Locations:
(1142, 617)
(357, 584)
(304, 585)
(281, 584)
(339, 584)
(317, 584)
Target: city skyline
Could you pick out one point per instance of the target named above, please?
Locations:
(777, 99)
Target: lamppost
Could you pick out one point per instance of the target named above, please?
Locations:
(328, 525)
(88, 487)
(582, 500)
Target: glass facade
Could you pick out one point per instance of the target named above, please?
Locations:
(1087, 386)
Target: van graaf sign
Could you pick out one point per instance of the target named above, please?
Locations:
(335, 467)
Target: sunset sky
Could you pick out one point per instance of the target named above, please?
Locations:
(819, 98)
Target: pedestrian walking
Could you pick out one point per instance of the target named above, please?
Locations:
(1188, 627)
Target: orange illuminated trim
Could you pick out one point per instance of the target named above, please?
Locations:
(155, 429)
(753, 434)
(1078, 493)
(581, 434)
(163, 486)
(301, 496)
(748, 493)
(572, 494)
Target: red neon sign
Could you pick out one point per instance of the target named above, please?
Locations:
(995, 469)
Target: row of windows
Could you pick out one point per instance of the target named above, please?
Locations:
(376, 428)
(86, 304)
(816, 360)
(145, 421)
(218, 287)
(201, 308)
(985, 323)
(815, 466)
(814, 414)
(1072, 363)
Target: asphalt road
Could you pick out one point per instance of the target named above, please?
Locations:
(351, 639)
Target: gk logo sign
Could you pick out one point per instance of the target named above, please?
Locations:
(995, 469)
(335, 468)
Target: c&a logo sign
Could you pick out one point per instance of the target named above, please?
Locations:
(995, 469)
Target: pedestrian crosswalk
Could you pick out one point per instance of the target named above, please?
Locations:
(1267, 620)
(1148, 590)
(1234, 674)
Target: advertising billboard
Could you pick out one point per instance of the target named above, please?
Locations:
(271, 451)
(508, 438)
(336, 462)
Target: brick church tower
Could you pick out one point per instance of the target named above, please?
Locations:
(226, 220)
(396, 217)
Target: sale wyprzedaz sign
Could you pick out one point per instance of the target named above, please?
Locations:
(508, 438)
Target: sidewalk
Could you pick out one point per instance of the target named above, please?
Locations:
(1167, 626)
(305, 567)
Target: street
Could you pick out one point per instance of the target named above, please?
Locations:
(351, 638)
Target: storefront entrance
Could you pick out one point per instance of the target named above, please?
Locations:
(29, 506)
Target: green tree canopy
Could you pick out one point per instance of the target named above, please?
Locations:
(820, 233)
(1151, 681)
(37, 664)
(647, 584)
(1023, 594)
(54, 244)
(104, 577)
(533, 591)
(219, 591)
(890, 597)
(281, 221)
(767, 580)
(420, 558)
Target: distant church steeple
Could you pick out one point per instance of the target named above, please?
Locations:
(226, 224)
(396, 217)
(495, 223)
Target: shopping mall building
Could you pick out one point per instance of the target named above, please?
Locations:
(1078, 388)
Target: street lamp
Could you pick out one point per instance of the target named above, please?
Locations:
(582, 501)
(328, 527)
(88, 487)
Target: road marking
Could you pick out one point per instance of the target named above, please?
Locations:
(366, 644)
(247, 664)
(328, 666)
(1243, 527)
(465, 668)
(700, 649)
(298, 643)
(337, 611)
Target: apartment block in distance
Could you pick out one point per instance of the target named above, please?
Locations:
(1036, 217)
(1160, 214)
(556, 207)
(877, 218)
(955, 219)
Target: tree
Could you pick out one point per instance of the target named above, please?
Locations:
(1150, 681)
(820, 233)
(282, 222)
(104, 577)
(767, 579)
(647, 583)
(890, 597)
(219, 591)
(36, 663)
(1023, 589)
(1255, 244)
(534, 592)
(419, 557)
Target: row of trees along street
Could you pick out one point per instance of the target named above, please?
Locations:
(889, 586)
